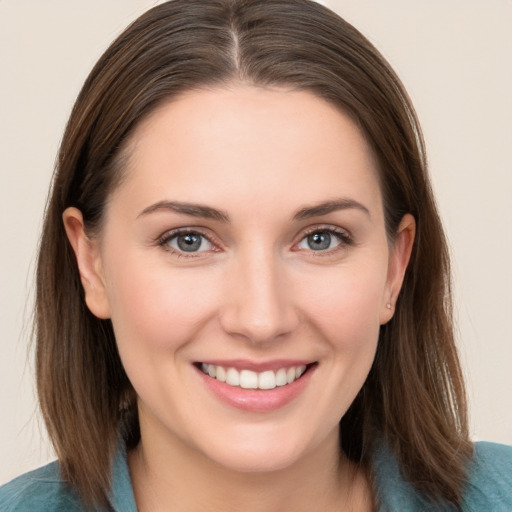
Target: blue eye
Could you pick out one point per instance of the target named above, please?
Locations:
(322, 240)
(189, 242)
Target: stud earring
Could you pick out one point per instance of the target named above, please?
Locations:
(389, 306)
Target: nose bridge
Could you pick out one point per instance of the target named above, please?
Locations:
(258, 305)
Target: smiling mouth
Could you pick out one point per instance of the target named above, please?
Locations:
(248, 379)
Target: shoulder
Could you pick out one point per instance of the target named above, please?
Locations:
(489, 484)
(488, 487)
(42, 490)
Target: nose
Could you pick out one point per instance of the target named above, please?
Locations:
(258, 303)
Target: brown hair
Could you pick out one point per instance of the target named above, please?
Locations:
(414, 397)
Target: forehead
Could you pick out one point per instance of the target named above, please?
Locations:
(249, 144)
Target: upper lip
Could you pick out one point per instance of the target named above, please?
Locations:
(257, 366)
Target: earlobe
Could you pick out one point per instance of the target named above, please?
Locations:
(89, 263)
(400, 254)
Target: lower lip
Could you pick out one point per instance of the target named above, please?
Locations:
(257, 400)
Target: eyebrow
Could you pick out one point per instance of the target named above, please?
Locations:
(329, 207)
(192, 209)
(207, 212)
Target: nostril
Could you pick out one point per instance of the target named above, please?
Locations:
(256, 327)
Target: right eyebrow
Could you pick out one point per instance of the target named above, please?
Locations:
(192, 209)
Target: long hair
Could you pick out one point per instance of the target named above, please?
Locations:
(414, 398)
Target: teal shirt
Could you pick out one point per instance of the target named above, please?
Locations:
(489, 488)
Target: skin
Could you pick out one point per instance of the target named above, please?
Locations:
(256, 291)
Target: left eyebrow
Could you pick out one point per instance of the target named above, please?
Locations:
(329, 207)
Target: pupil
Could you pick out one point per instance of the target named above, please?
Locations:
(319, 241)
(189, 242)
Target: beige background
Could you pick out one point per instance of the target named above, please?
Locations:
(454, 57)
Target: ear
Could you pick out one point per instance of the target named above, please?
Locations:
(90, 267)
(399, 256)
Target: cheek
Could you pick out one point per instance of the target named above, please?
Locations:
(348, 307)
(156, 314)
(346, 315)
(157, 309)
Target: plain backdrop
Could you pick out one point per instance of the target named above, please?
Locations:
(455, 58)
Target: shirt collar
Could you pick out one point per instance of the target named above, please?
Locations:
(121, 495)
(393, 491)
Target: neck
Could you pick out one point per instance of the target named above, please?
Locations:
(177, 477)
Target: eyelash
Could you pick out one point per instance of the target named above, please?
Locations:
(164, 240)
(344, 238)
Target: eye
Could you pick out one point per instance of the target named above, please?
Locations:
(187, 241)
(323, 240)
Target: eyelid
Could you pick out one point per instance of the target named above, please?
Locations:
(163, 241)
(345, 237)
(345, 233)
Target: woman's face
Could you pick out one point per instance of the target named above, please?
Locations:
(245, 243)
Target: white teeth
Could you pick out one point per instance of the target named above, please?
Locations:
(232, 377)
(248, 379)
(299, 371)
(221, 374)
(281, 377)
(267, 380)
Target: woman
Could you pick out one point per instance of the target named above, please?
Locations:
(242, 289)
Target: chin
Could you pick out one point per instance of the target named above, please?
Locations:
(242, 462)
(269, 455)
